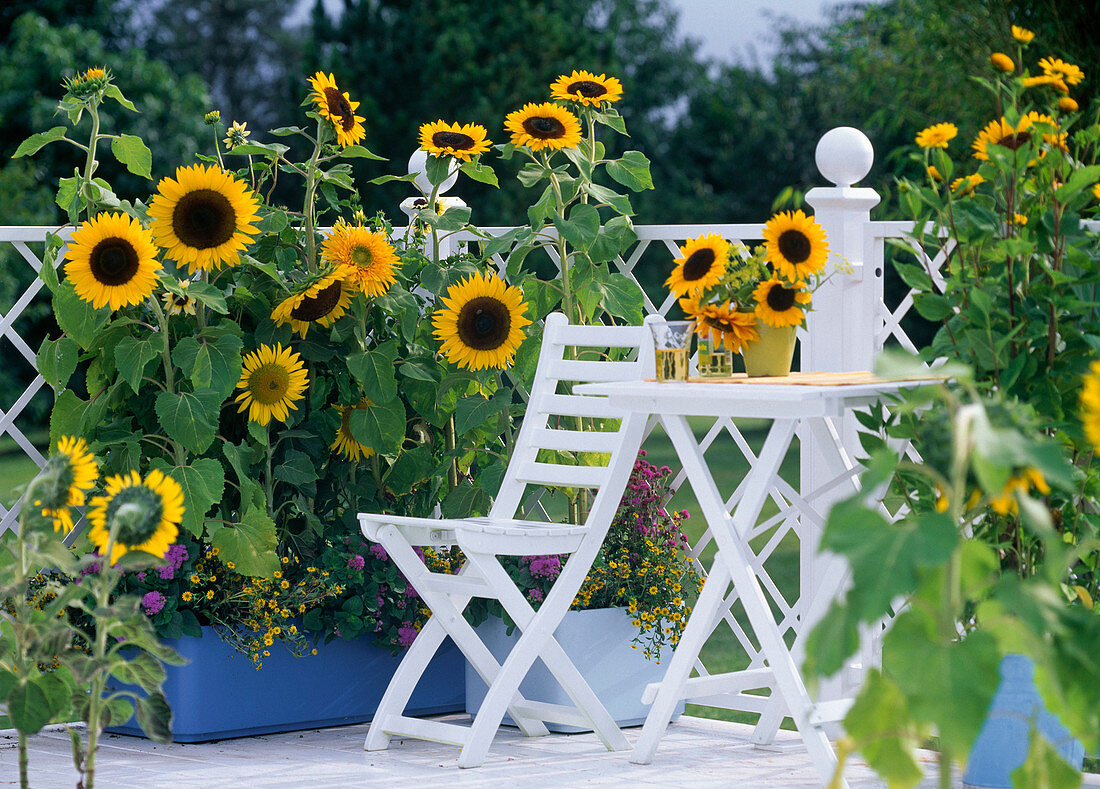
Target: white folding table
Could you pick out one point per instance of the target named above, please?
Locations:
(811, 410)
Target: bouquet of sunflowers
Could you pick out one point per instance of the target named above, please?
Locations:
(730, 291)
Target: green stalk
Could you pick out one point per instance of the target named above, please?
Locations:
(563, 248)
(269, 480)
(169, 373)
(89, 163)
(24, 781)
(309, 210)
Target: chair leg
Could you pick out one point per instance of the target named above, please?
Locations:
(404, 681)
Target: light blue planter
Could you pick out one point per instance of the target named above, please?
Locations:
(598, 643)
(219, 694)
(1002, 744)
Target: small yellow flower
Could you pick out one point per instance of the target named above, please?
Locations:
(933, 173)
(1022, 34)
(937, 136)
(210, 595)
(1066, 104)
(1002, 62)
(231, 566)
(1096, 191)
(186, 597)
(278, 573)
(285, 560)
(285, 584)
(236, 135)
(195, 579)
(1019, 219)
(966, 184)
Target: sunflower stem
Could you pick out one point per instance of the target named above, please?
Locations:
(90, 162)
(269, 480)
(178, 451)
(309, 209)
(563, 247)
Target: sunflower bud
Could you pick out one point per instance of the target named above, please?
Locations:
(211, 117)
(1022, 34)
(88, 86)
(1066, 104)
(933, 173)
(1002, 62)
(237, 134)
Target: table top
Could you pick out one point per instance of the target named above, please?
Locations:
(746, 399)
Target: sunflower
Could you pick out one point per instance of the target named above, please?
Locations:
(338, 108)
(701, 264)
(345, 443)
(778, 302)
(481, 324)
(544, 126)
(937, 135)
(204, 217)
(461, 142)
(178, 305)
(1022, 34)
(586, 88)
(1058, 68)
(112, 261)
(1090, 404)
(1057, 83)
(68, 474)
(1002, 62)
(272, 379)
(144, 514)
(721, 323)
(320, 303)
(369, 256)
(965, 185)
(795, 244)
(1003, 133)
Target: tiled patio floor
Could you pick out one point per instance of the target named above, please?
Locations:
(694, 753)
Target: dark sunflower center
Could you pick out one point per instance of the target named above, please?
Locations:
(114, 261)
(719, 323)
(269, 383)
(698, 264)
(319, 305)
(339, 107)
(454, 140)
(794, 246)
(780, 298)
(138, 511)
(181, 301)
(542, 128)
(587, 88)
(1015, 141)
(204, 219)
(484, 323)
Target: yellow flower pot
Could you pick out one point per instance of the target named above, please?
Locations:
(772, 353)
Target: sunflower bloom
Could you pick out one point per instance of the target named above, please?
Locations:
(481, 323)
(345, 444)
(1058, 68)
(937, 136)
(178, 305)
(144, 514)
(701, 264)
(368, 256)
(779, 303)
(1057, 83)
(67, 476)
(1001, 132)
(544, 127)
(1002, 62)
(1090, 404)
(1022, 34)
(112, 261)
(204, 217)
(1067, 104)
(320, 303)
(796, 244)
(584, 87)
(451, 139)
(721, 323)
(235, 135)
(965, 184)
(273, 379)
(337, 108)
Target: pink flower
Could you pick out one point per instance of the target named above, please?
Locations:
(152, 602)
(379, 552)
(356, 562)
(406, 634)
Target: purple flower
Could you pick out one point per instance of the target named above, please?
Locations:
(175, 556)
(544, 566)
(379, 552)
(535, 595)
(152, 602)
(141, 575)
(406, 634)
(356, 562)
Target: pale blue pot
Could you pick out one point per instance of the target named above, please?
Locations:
(1002, 743)
(598, 642)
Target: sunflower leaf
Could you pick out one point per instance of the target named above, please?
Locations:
(36, 142)
(374, 371)
(361, 152)
(477, 171)
(632, 171)
(250, 544)
(113, 92)
(261, 149)
(619, 202)
(203, 483)
(76, 317)
(131, 356)
(582, 227)
(210, 295)
(380, 427)
(56, 360)
(213, 364)
(132, 152)
(612, 119)
(189, 417)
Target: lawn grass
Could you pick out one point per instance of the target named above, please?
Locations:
(16, 467)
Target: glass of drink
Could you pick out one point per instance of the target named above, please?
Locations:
(672, 342)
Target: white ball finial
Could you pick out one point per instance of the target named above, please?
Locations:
(418, 166)
(844, 155)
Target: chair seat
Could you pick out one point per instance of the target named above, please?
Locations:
(508, 537)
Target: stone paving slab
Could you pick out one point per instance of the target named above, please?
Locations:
(695, 752)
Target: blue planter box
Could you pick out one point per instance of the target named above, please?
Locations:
(1003, 741)
(219, 694)
(598, 642)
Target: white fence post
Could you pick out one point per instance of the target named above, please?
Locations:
(418, 166)
(843, 327)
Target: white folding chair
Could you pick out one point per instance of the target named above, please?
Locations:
(551, 422)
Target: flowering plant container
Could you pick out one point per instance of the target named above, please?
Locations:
(219, 694)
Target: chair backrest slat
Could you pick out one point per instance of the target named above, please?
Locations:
(557, 421)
